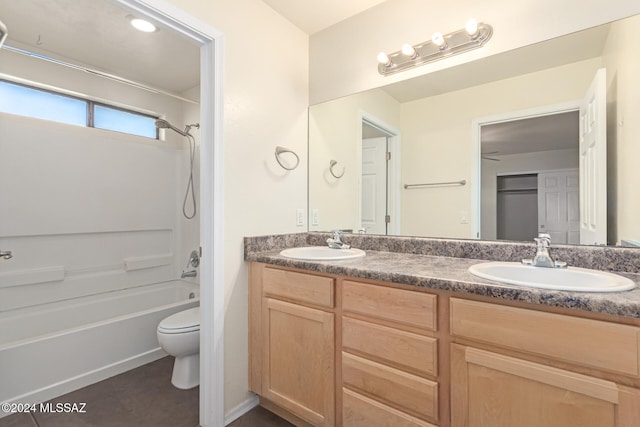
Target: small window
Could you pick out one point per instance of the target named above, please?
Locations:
(42, 104)
(119, 120)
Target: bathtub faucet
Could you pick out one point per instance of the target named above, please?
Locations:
(190, 273)
(194, 261)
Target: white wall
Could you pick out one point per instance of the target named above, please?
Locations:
(335, 133)
(343, 57)
(265, 105)
(623, 109)
(436, 143)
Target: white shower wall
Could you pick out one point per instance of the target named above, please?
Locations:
(85, 210)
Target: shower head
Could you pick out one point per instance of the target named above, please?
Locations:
(163, 124)
(3, 33)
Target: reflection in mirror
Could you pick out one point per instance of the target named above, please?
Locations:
(508, 126)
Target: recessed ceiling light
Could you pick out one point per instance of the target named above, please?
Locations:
(142, 25)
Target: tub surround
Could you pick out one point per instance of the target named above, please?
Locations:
(441, 264)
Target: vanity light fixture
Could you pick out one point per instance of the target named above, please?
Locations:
(472, 36)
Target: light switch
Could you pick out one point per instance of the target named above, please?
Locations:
(299, 217)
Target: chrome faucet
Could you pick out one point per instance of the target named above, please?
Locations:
(194, 261)
(543, 257)
(190, 273)
(336, 242)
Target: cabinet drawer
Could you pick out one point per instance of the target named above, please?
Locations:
(360, 411)
(403, 349)
(397, 305)
(399, 389)
(592, 343)
(298, 286)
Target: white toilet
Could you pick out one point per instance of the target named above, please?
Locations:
(179, 335)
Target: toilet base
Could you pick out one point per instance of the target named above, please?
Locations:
(186, 372)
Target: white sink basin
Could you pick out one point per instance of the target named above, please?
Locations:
(321, 253)
(562, 279)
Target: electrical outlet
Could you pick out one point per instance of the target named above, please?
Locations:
(300, 217)
(315, 217)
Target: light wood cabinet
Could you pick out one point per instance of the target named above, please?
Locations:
(493, 389)
(327, 350)
(389, 356)
(298, 360)
(292, 344)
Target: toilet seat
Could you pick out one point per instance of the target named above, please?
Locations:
(182, 322)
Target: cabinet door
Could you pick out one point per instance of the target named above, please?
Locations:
(298, 360)
(493, 390)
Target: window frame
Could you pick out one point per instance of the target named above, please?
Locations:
(90, 108)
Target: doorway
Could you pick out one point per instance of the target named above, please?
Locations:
(379, 154)
(589, 122)
(516, 144)
(210, 42)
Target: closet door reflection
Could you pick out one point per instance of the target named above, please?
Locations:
(517, 207)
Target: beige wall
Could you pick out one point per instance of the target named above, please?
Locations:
(351, 68)
(335, 132)
(436, 141)
(623, 130)
(265, 105)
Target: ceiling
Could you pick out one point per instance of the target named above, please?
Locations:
(97, 34)
(553, 132)
(312, 16)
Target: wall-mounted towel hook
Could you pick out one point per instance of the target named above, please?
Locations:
(281, 150)
(332, 163)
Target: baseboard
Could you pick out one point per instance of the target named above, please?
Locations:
(71, 384)
(241, 409)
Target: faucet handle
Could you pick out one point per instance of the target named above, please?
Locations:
(545, 236)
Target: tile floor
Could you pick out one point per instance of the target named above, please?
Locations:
(141, 397)
(138, 398)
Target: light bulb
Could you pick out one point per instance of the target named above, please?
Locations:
(384, 59)
(472, 28)
(438, 40)
(142, 25)
(409, 51)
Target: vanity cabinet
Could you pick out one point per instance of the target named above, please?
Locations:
(293, 342)
(329, 350)
(508, 377)
(389, 356)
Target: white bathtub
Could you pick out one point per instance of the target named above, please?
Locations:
(52, 349)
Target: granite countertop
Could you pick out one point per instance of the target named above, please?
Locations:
(450, 274)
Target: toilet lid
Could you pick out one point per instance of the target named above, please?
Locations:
(181, 322)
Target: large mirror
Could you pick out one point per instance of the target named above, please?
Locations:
(490, 149)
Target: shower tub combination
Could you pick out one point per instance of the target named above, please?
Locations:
(63, 346)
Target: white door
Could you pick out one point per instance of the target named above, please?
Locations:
(558, 206)
(593, 163)
(374, 185)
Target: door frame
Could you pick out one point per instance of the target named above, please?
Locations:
(211, 43)
(393, 173)
(476, 139)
